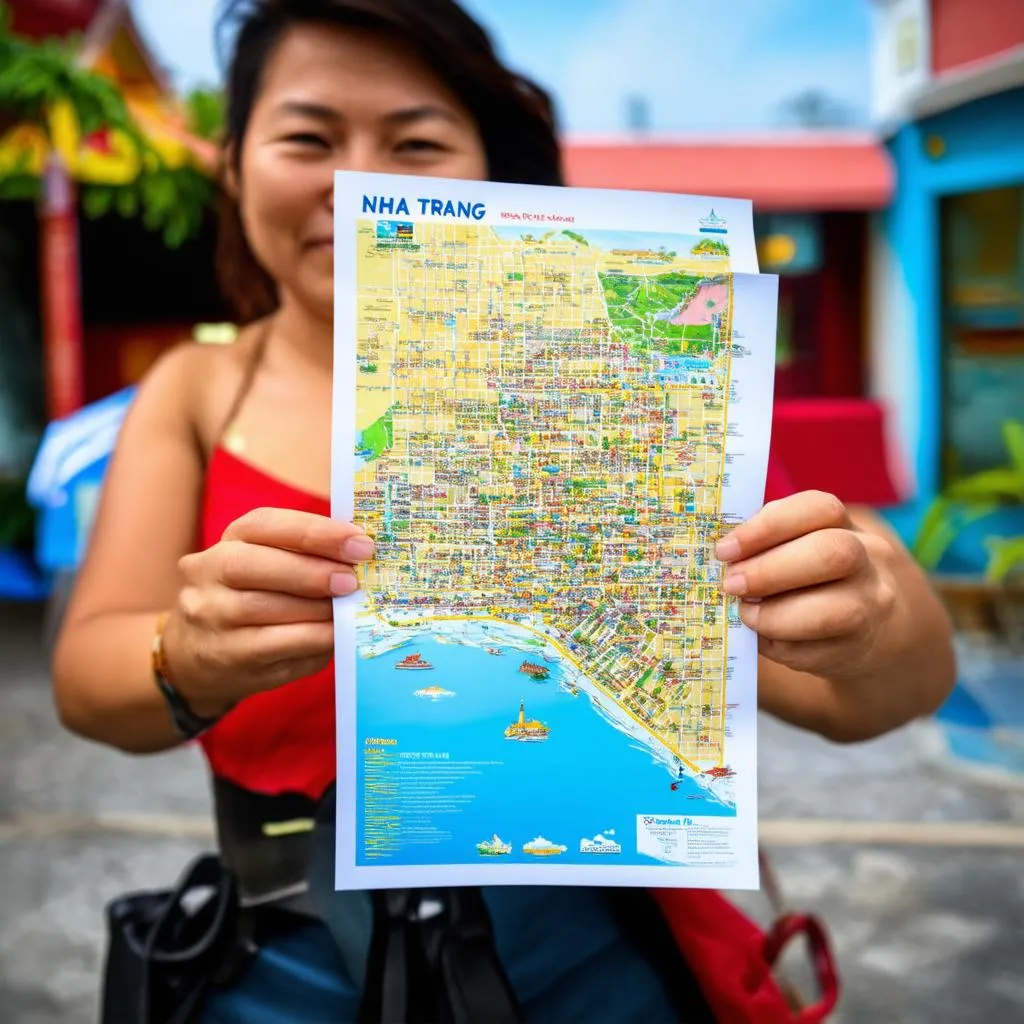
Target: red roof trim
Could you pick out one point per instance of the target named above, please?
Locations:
(37, 19)
(830, 171)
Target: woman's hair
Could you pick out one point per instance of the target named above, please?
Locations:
(514, 116)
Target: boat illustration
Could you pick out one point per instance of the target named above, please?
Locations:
(533, 670)
(433, 692)
(493, 847)
(527, 729)
(574, 689)
(414, 661)
(541, 847)
(494, 650)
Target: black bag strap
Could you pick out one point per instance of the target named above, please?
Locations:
(437, 969)
(186, 948)
(171, 928)
(475, 982)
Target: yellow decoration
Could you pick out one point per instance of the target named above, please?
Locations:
(109, 159)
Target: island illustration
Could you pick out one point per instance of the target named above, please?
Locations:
(433, 693)
(493, 847)
(541, 847)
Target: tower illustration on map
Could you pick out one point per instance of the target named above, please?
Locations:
(527, 729)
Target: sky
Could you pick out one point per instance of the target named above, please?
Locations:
(698, 65)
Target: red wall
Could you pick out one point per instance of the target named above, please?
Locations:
(968, 30)
(116, 356)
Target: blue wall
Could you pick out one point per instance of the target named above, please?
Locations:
(984, 148)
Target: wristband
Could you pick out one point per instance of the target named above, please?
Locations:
(188, 724)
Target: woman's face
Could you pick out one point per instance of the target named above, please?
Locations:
(339, 99)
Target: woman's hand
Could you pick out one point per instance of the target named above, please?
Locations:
(815, 589)
(255, 609)
(853, 639)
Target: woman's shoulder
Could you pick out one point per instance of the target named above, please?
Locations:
(196, 381)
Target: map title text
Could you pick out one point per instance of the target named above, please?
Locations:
(434, 207)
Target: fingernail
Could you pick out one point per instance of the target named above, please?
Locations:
(342, 583)
(735, 583)
(359, 548)
(727, 549)
(749, 611)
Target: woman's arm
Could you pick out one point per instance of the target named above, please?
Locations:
(248, 613)
(853, 640)
(146, 521)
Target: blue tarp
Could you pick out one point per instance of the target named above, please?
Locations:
(66, 476)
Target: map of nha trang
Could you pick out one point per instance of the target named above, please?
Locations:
(542, 428)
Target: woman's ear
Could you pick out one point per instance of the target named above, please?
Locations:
(229, 173)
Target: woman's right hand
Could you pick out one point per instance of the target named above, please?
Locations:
(255, 610)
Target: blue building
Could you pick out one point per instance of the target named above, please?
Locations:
(947, 306)
(947, 327)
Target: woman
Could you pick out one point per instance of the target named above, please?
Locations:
(214, 558)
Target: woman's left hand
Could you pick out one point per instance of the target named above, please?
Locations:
(815, 589)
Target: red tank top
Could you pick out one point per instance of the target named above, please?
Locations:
(279, 741)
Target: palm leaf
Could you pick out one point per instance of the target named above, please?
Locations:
(1003, 484)
(941, 524)
(1013, 436)
(1006, 557)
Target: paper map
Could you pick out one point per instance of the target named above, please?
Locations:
(549, 404)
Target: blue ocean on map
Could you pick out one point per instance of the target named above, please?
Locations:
(586, 780)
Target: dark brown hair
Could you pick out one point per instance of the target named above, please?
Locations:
(514, 116)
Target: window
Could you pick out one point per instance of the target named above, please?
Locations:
(983, 325)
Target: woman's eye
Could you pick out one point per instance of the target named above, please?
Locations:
(307, 139)
(420, 146)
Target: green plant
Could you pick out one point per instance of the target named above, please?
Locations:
(1006, 558)
(206, 113)
(38, 77)
(969, 500)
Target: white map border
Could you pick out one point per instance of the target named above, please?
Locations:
(754, 324)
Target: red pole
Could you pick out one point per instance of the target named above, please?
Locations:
(61, 293)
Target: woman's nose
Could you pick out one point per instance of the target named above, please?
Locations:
(362, 154)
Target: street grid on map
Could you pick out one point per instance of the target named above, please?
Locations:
(543, 424)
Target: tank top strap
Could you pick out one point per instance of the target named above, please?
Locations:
(249, 372)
